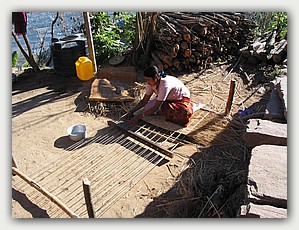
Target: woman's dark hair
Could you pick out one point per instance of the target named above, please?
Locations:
(152, 71)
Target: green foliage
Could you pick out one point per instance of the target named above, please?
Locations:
(269, 21)
(112, 34)
(127, 22)
(272, 74)
(15, 57)
(26, 65)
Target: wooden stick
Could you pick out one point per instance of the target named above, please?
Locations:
(28, 58)
(254, 115)
(38, 187)
(249, 96)
(90, 41)
(230, 96)
(143, 140)
(210, 110)
(14, 164)
(232, 68)
(259, 198)
(87, 196)
(246, 75)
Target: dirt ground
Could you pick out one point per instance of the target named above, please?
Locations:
(44, 105)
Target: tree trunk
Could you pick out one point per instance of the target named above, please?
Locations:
(29, 58)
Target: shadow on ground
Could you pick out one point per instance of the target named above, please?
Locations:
(32, 208)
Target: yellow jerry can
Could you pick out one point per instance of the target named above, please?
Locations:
(84, 68)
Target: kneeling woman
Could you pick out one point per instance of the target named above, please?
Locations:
(172, 99)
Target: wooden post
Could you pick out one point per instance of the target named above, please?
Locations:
(90, 41)
(230, 96)
(89, 205)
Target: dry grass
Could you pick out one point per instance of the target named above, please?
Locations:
(210, 187)
(115, 110)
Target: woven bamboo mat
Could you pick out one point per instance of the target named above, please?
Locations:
(112, 161)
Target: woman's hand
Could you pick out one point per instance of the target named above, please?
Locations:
(134, 120)
(128, 116)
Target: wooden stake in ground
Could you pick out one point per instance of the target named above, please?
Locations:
(230, 96)
(87, 196)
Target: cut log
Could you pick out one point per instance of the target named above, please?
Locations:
(157, 60)
(200, 30)
(170, 26)
(187, 52)
(278, 52)
(206, 34)
(184, 45)
(165, 58)
(176, 63)
(187, 37)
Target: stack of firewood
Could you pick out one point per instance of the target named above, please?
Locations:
(267, 49)
(193, 40)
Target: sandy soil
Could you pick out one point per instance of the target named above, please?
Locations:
(44, 105)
